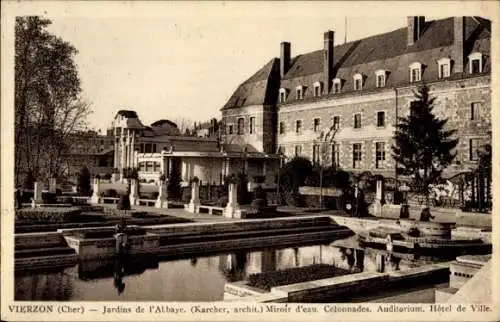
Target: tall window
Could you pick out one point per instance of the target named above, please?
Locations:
(358, 82)
(252, 125)
(357, 121)
(380, 118)
(473, 147)
(444, 67)
(335, 155)
(282, 95)
(282, 128)
(298, 126)
(299, 93)
(316, 124)
(154, 147)
(230, 129)
(475, 63)
(241, 126)
(298, 150)
(474, 111)
(337, 85)
(356, 155)
(379, 154)
(415, 72)
(281, 150)
(317, 89)
(380, 80)
(336, 122)
(316, 154)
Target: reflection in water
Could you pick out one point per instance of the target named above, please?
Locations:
(191, 279)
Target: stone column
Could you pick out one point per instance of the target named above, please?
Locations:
(380, 263)
(52, 185)
(134, 192)
(95, 194)
(129, 152)
(132, 146)
(268, 261)
(37, 196)
(232, 208)
(194, 204)
(377, 205)
(162, 201)
(122, 153)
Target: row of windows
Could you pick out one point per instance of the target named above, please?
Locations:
(149, 166)
(333, 155)
(240, 130)
(335, 123)
(415, 71)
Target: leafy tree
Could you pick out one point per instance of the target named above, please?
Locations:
(84, 181)
(293, 174)
(174, 184)
(48, 108)
(423, 148)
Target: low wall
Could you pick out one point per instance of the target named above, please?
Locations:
(45, 262)
(37, 240)
(472, 219)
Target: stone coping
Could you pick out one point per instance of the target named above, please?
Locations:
(474, 259)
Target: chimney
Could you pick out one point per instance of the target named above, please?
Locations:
(328, 60)
(458, 44)
(285, 58)
(415, 28)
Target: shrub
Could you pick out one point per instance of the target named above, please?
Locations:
(107, 176)
(29, 181)
(84, 182)
(109, 193)
(123, 203)
(222, 201)
(49, 198)
(46, 215)
(174, 185)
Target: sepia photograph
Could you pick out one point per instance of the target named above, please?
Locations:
(265, 153)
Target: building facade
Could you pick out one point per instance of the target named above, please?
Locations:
(356, 91)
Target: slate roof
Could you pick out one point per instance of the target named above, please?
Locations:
(388, 51)
(259, 89)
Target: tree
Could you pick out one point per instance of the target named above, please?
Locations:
(293, 175)
(48, 107)
(84, 181)
(423, 148)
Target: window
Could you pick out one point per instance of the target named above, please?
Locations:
(281, 149)
(298, 150)
(380, 77)
(358, 82)
(252, 125)
(156, 166)
(282, 128)
(415, 72)
(336, 122)
(473, 147)
(379, 154)
(356, 155)
(154, 148)
(444, 67)
(474, 111)
(317, 89)
(241, 126)
(316, 155)
(316, 124)
(298, 126)
(337, 85)
(299, 92)
(335, 155)
(380, 118)
(282, 95)
(475, 63)
(230, 129)
(357, 121)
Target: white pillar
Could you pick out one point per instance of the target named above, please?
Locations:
(128, 149)
(52, 185)
(232, 208)
(377, 205)
(122, 153)
(162, 201)
(37, 196)
(194, 204)
(95, 194)
(133, 150)
(134, 192)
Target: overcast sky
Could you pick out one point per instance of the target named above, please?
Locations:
(185, 60)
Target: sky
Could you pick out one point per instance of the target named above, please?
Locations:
(184, 61)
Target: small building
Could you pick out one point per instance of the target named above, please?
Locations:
(160, 149)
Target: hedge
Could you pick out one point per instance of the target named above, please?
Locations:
(268, 280)
(46, 215)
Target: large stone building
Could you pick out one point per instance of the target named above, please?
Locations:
(360, 88)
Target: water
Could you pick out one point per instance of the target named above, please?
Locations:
(182, 279)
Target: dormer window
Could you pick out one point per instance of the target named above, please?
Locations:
(358, 82)
(444, 67)
(317, 89)
(415, 72)
(282, 95)
(299, 92)
(380, 77)
(475, 63)
(337, 85)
